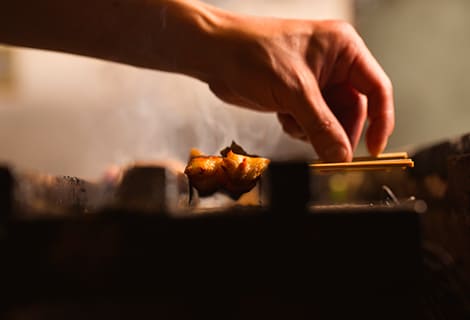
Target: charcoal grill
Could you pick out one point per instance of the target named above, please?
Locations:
(283, 253)
(79, 249)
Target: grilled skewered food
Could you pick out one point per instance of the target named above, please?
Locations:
(234, 173)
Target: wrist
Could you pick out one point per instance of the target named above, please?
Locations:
(180, 36)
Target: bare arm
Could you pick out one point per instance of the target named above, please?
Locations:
(159, 34)
(318, 76)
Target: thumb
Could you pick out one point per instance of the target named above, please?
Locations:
(322, 128)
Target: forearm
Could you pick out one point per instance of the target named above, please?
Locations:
(161, 34)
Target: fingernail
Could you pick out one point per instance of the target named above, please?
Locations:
(336, 154)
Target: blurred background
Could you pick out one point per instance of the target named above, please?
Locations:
(64, 114)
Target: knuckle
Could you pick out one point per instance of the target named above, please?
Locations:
(297, 87)
(322, 127)
(386, 86)
(343, 28)
(303, 83)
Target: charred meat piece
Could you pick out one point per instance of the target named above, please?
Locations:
(231, 173)
(206, 174)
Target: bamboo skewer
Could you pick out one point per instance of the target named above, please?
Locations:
(383, 156)
(384, 162)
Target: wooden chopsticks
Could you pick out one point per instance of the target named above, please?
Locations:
(385, 161)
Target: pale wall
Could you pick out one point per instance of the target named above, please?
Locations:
(425, 48)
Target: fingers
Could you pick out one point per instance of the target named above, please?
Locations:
(367, 76)
(321, 127)
(331, 121)
(350, 108)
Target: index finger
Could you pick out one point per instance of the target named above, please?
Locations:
(318, 122)
(368, 77)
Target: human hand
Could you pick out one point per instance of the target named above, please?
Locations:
(318, 76)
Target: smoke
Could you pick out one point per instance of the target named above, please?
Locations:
(132, 115)
(169, 114)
